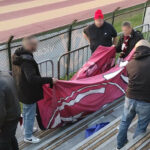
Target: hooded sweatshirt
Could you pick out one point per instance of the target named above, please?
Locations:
(9, 104)
(138, 70)
(27, 76)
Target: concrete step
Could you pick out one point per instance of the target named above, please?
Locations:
(105, 139)
(55, 139)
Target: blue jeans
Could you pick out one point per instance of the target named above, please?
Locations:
(29, 113)
(131, 108)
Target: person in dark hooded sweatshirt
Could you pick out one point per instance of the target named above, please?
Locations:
(9, 112)
(137, 99)
(29, 84)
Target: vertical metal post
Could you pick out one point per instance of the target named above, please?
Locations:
(9, 51)
(113, 15)
(69, 46)
(145, 7)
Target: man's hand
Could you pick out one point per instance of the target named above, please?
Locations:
(55, 80)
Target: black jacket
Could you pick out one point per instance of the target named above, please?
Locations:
(27, 77)
(139, 75)
(9, 104)
(135, 37)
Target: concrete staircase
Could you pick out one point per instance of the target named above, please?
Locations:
(105, 139)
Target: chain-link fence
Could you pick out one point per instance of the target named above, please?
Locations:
(70, 62)
(53, 45)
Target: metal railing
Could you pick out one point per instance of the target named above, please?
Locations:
(76, 59)
(72, 61)
(54, 43)
(46, 68)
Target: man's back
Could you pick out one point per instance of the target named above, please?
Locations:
(9, 104)
(139, 75)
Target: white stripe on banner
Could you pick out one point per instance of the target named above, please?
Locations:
(59, 101)
(124, 78)
(57, 121)
(113, 74)
(117, 85)
(72, 118)
(81, 96)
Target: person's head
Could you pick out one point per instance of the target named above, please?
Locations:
(30, 43)
(99, 18)
(127, 28)
(142, 43)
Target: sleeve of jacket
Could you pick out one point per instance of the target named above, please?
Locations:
(119, 45)
(2, 108)
(32, 77)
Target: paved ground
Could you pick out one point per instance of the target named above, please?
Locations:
(35, 16)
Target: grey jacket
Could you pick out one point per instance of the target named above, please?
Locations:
(9, 104)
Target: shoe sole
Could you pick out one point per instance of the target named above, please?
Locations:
(31, 142)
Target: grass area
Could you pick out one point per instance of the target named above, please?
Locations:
(135, 19)
(69, 77)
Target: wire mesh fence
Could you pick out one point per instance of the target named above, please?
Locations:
(53, 45)
(70, 62)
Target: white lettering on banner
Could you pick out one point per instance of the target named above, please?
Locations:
(58, 118)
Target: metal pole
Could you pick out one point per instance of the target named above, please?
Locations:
(9, 51)
(113, 15)
(145, 7)
(69, 46)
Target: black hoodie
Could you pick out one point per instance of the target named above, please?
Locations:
(139, 75)
(27, 77)
(9, 104)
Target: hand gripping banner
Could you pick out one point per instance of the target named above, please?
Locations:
(97, 83)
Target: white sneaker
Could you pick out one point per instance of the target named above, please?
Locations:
(32, 140)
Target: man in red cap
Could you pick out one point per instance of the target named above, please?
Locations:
(100, 32)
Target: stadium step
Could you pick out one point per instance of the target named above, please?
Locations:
(56, 138)
(105, 139)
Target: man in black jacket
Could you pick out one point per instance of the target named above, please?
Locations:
(100, 32)
(128, 40)
(9, 112)
(29, 84)
(137, 99)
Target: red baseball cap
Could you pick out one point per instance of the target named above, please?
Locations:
(99, 14)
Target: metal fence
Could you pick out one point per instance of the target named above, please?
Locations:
(53, 45)
(72, 61)
(46, 68)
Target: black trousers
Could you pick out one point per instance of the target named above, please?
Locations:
(8, 139)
